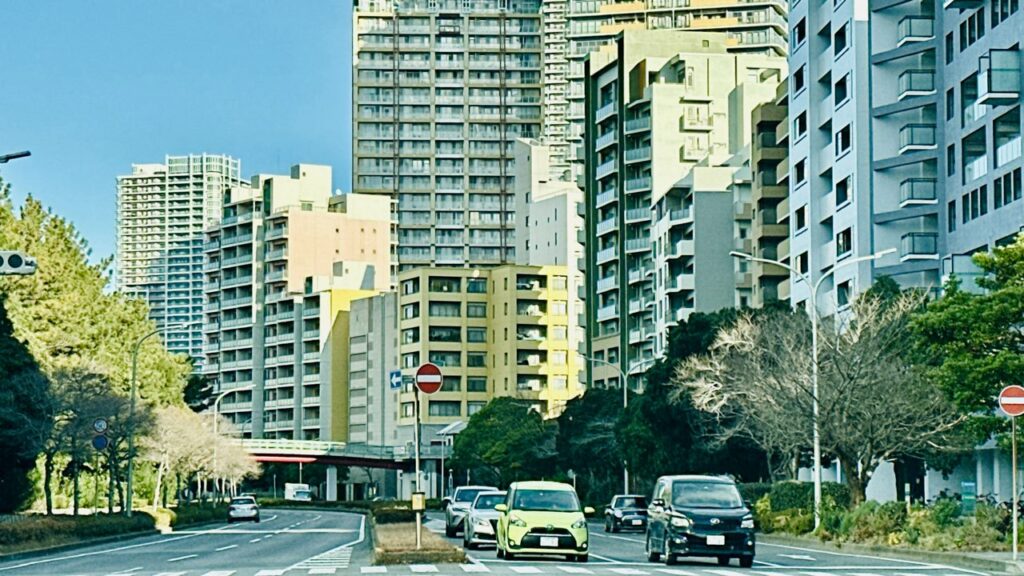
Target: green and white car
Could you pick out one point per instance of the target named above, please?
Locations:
(543, 518)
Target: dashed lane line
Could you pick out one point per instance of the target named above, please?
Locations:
(185, 557)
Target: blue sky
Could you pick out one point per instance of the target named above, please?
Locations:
(93, 86)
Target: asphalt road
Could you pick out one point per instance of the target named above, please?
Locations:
(285, 542)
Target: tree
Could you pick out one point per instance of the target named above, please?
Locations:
(972, 344)
(198, 393)
(874, 405)
(587, 443)
(504, 442)
(24, 418)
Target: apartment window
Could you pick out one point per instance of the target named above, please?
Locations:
(844, 242)
(476, 285)
(800, 125)
(798, 79)
(410, 336)
(476, 310)
(951, 216)
(441, 284)
(799, 33)
(803, 263)
(559, 308)
(972, 29)
(801, 217)
(445, 309)
(800, 172)
(965, 208)
(839, 41)
(559, 357)
(476, 384)
(983, 200)
(950, 104)
(411, 360)
(449, 359)
(476, 335)
(559, 333)
(410, 311)
(445, 334)
(951, 160)
(843, 191)
(474, 407)
(436, 408)
(476, 359)
(1003, 9)
(950, 48)
(411, 286)
(451, 384)
(408, 410)
(560, 283)
(843, 140)
(841, 93)
(843, 294)
(1007, 188)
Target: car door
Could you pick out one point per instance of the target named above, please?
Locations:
(502, 532)
(657, 516)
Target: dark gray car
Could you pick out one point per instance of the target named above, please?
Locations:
(626, 512)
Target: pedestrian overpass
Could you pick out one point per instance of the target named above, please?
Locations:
(339, 453)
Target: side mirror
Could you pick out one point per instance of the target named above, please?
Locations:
(501, 508)
(748, 504)
(657, 503)
(588, 511)
(446, 502)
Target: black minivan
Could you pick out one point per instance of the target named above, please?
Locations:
(699, 516)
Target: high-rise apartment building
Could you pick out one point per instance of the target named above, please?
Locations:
(284, 263)
(162, 210)
(752, 27)
(442, 88)
(659, 104)
(769, 230)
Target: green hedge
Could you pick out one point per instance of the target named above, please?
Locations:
(754, 491)
(800, 495)
(432, 504)
(50, 530)
(393, 515)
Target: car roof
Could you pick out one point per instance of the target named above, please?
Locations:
(701, 477)
(541, 485)
(488, 488)
(629, 496)
(492, 493)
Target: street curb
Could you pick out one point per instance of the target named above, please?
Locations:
(76, 545)
(957, 559)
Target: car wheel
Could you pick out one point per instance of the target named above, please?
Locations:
(257, 519)
(499, 552)
(509, 555)
(747, 561)
(449, 531)
(666, 554)
(615, 526)
(652, 556)
(230, 520)
(723, 560)
(583, 558)
(607, 528)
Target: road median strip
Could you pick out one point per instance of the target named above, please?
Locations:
(396, 544)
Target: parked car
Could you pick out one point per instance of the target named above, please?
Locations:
(458, 506)
(626, 512)
(481, 523)
(699, 516)
(543, 518)
(243, 508)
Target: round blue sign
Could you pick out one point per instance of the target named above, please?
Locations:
(100, 442)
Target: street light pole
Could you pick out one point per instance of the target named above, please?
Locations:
(815, 405)
(131, 413)
(216, 418)
(625, 402)
(5, 158)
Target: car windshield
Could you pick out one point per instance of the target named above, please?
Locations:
(467, 495)
(488, 501)
(249, 501)
(631, 502)
(302, 493)
(546, 501)
(696, 494)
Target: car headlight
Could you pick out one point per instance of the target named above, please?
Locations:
(482, 526)
(517, 522)
(747, 522)
(681, 522)
(617, 513)
(581, 523)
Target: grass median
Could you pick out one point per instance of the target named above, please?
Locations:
(396, 544)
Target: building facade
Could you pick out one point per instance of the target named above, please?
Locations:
(658, 111)
(162, 210)
(284, 264)
(769, 201)
(442, 88)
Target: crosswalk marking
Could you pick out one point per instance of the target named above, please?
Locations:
(475, 568)
(626, 571)
(727, 573)
(322, 570)
(373, 570)
(574, 570)
(270, 573)
(421, 568)
(675, 572)
(220, 573)
(170, 574)
(525, 570)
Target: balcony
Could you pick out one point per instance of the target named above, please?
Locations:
(915, 29)
(961, 4)
(638, 184)
(638, 245)
(916, 83)
(680, 249)
(607, 313)
(999, 78)
(701, 122)
(917, 137)
(638, 154)
(605, 169)
(605, 111)
(605, 140)
(634, 215)
(917, 191)
(606, 226)
(607, 255)
(638, 124)
(919, 246)
(680, 282)
(678, 216)
(605, 198)
(606, 284)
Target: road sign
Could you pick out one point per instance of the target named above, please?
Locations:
(396, 379)
(428, 378)
(100, 442)
(1011, 400)
(99, 425)
(16, 263)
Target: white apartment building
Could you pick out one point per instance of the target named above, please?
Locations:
(162, 210)
(442, 88)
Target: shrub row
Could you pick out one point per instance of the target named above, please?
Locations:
(55, 529)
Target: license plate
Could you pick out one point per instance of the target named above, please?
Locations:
(716, 540)
(549, 541)
(637, 522)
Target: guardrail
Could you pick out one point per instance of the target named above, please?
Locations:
(341, 449)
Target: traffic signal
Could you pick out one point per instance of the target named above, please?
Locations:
(16, 263)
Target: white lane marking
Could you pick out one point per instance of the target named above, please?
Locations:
(605, 559)
(864, 574)
(270, 573)
(623, 538)
(281, 531)
(771, 564)
(803, 557)
(475, 568)
(220, 573)
(106, 551)
(373, 570)
(322, 570)
(727, 573)
(574, 570)
(819, 574)
(255, 540)
(186, 557)
(170, 574)
(913, 565)
(126, 572)
(525, 570)
(423, 568)
(631, 571)
(675, 572)
(229, 547)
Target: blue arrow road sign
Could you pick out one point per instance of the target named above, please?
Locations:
(396, 379)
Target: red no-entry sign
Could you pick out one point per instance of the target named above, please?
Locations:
(428, 378)
(1011, 400)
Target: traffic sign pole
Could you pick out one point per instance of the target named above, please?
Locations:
(1016, 509)
(1011, 401)
(416, 434)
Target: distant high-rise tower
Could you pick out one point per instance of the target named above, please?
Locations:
(442, 89)
(162, 210)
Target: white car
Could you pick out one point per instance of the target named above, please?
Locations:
(243, 508)
(481, 524)
(458, 507)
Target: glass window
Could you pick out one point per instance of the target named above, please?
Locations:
(445, 309)
(696, 494)
(411, 286)
(410, 335)
(411, 311)
(440, 408)
(476, 384)
(411, 360)
(559, 308)
(476, 285)
(445, 334)
(559, 283)
(474, 407)
(446, 359)
(559, 333)
(476, 335)
(445, 284)
(451, 383)
(844, 242)
(476, 359)
(476, 310)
